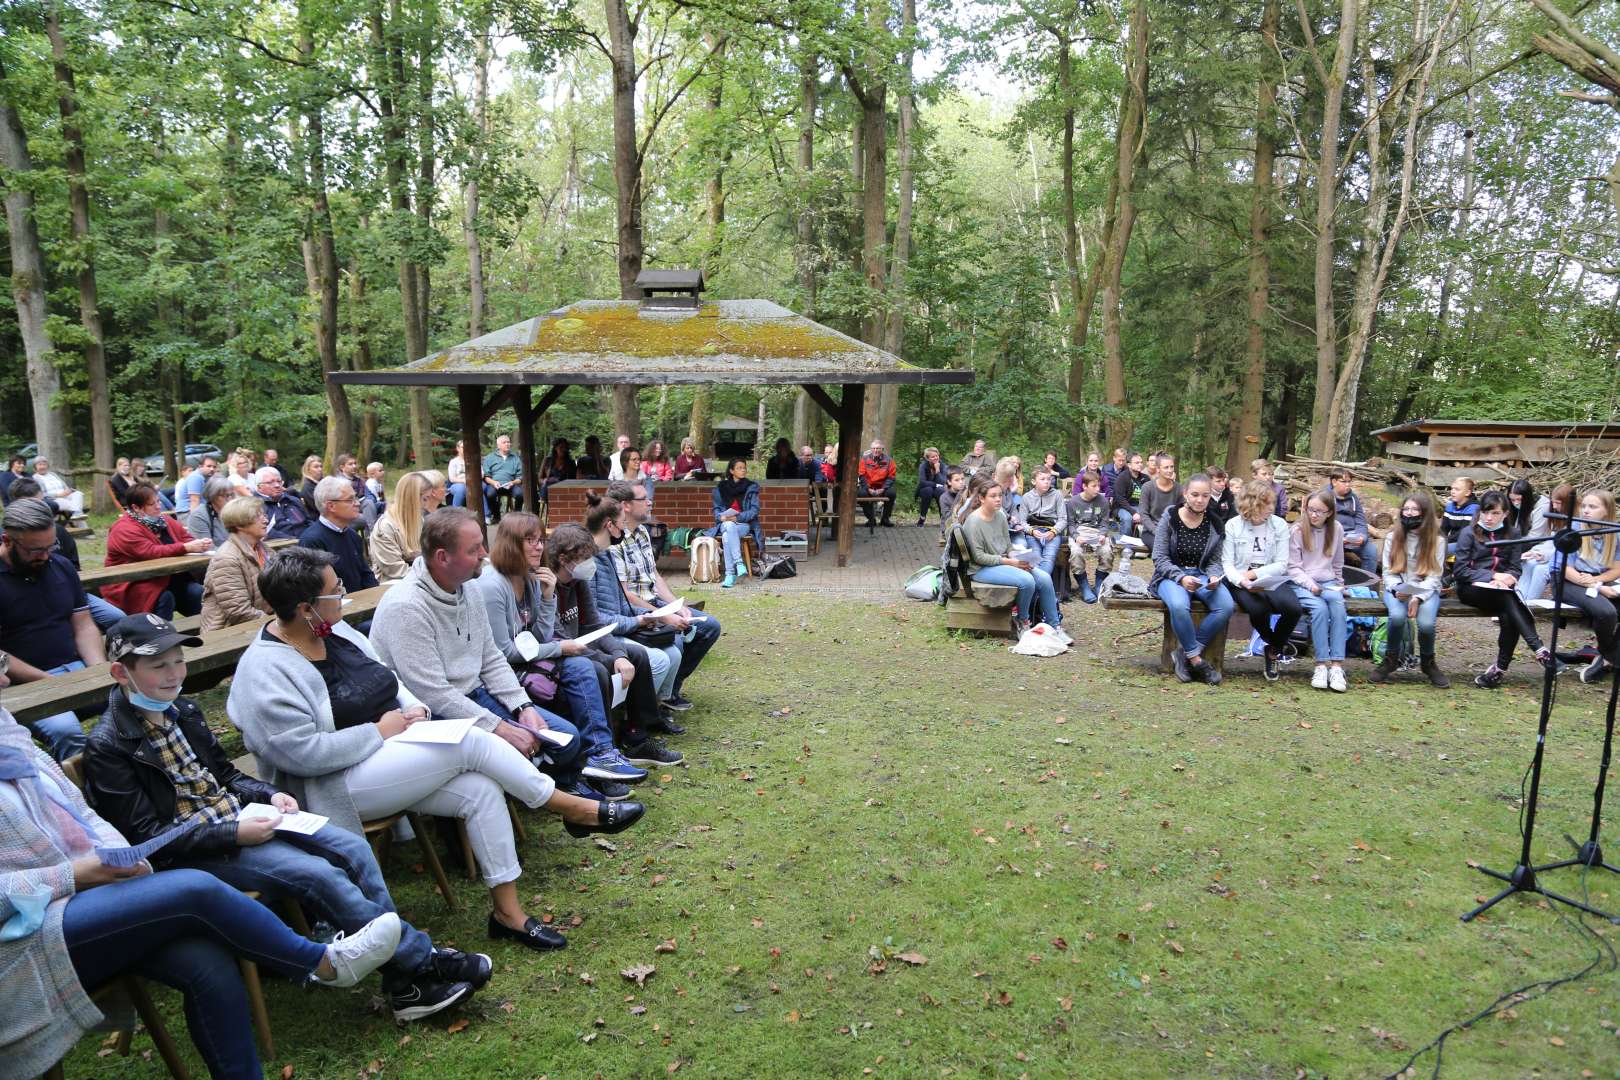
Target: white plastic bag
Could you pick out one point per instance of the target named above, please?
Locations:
(1040, 640)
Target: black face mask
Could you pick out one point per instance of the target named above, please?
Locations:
(1412, 521)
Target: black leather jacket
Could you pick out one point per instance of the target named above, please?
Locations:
(125, 781)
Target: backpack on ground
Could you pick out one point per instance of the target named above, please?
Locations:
(925, 584)
(704, 560)
(778, 566)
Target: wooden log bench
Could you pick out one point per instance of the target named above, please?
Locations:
(1355, 607)
(86, 691)
(987, 610)
(96, 579)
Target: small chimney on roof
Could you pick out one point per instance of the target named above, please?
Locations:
(670, 290)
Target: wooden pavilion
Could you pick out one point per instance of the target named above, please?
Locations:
(657, 342)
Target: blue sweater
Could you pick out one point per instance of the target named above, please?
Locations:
(611, 603)
(351, 566)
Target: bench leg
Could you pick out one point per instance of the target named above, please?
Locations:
(256, 1006)
(1168, 645)
(1215, 651)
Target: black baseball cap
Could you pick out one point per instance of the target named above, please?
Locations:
(145, 635)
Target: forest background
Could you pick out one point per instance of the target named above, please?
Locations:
(1225, 228)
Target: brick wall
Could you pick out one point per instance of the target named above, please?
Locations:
(783, 504)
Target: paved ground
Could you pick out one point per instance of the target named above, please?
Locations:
(877, 568)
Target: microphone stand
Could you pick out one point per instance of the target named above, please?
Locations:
(1524, 876)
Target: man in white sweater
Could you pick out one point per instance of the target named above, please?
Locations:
(433, 632)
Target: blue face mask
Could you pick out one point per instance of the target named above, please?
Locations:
(141, 701)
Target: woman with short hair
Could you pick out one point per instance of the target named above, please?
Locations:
(204, 519)
(396, 540)
(231, 586)
(688, 461)
(318, 708)
(141, 534)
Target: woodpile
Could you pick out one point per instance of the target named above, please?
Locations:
(1305, 475)
(1585, 469)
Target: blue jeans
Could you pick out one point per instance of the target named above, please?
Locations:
(581, 688)
(731, 538)
(1030, 584)
(1537, 575)
(561, 763)
(182, 595)
(458, 494)
(1428, 613)
(185, 929)
(1046, 551)
(104, 614)
(332, 873)
(704, 635)
(1218, 604)
(1123, 515)
(62, 734)
(1329, 623)
(1367, 552)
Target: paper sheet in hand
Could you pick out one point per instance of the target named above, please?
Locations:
(304, 823)
(527, 646)
(599, 632)
(668, 609)
(125, 857)
(448, 732)
(619, 691)
(555, 738)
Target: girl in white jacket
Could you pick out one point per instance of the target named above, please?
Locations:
(1254, 559)
(1414, 556)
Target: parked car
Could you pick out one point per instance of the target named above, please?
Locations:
(195, 452)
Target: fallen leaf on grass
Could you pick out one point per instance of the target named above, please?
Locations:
(1175, 947)
(637, 1010)
(1556, 1041)
(459, 1025)
(1059, 944)
(605, 844)
(639, 973)
(667, 945)
(915, 959)
(1066, 1004)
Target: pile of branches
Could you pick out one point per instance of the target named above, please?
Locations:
(1586, 469)
(1306, 475)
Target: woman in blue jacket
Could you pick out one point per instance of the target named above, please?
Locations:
(736, 513)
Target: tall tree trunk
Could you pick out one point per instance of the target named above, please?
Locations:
(389, 61)
(475, 249)
(1132, 154)
(28, 288)
(1327, 188)
(804, 409)
(1243, 442)
(339, 422)
(627, 184)
(1082, 286)
(885, 415)
(367, 435)
(716, 187)
(701, 431)
(95, 353)
(172, 428)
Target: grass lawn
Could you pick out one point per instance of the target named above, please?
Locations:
(898, 853)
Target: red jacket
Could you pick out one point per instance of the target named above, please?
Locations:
(877, 474)
(128, 541)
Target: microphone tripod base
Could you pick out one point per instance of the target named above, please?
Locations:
(1523, 880)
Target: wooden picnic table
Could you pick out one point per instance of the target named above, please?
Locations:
(95, 580)
(206, 666)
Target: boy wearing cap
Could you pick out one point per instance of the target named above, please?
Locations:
(151, 763)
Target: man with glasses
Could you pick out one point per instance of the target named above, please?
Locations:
(332, 532)
(285, 512)
(45, 623)
(636, 561)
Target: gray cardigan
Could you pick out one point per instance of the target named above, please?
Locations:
(278, 700)
(1165, 570)
(441, 645)
(47, 1008)
(501, 608)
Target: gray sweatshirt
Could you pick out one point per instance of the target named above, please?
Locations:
(1048, 505)
(441, 646)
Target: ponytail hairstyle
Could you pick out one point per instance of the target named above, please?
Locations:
(600, 511)
(1491, 500)
(976, 488)
(1430, 558)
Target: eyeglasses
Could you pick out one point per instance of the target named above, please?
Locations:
(340, 594)
(534, 541)
(31, 551)
(348, 499)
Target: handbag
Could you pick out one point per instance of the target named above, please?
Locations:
(540, 681)
(654, 637)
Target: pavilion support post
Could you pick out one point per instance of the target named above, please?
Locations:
(851, 414)
(524, 407)
(471, 399)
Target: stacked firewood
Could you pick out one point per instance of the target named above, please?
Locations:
(1585, 469)
(1304, 475)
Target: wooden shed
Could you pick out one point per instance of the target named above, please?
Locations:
(661, 341)
(1436, 452)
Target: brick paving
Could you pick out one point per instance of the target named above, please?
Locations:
(878, 567)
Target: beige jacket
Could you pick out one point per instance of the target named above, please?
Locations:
(389, 557)
(231, 588)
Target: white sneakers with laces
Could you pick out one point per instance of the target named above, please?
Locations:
(1319, 678)
(1336, 681)
(356, 955)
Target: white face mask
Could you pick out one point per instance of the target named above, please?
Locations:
(583, 571)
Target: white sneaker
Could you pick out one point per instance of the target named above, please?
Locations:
(356, 955)
(1336, 681)
(1319, 680)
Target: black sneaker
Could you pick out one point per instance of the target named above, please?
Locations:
(667, 724)
(580, 788)
(1178, 660)
(1594, 671)
(612, 790)
(426, 996)
(1270, 662)
(1490, 678)
(677, 703)
(653, 752)
(453, 966)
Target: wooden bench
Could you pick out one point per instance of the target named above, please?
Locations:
(95, 580)
(1355, 607)
(206, 666)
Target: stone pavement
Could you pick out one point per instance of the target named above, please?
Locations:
(877, 570)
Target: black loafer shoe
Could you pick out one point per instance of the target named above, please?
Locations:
(612, 817)
(667, 725)
(535, 934)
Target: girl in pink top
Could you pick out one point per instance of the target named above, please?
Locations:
(1316, 567)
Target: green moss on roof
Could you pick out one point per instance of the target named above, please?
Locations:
(622, 329)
